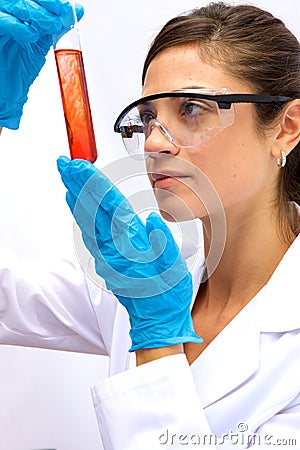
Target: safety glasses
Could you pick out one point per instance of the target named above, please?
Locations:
(187, 117)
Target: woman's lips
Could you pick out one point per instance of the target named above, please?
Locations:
(164, 179)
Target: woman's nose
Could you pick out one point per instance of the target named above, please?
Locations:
(159, 140)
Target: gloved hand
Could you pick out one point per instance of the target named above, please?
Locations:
(26, 29)
(141, 264)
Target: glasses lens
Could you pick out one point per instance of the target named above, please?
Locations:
(132, 132)
(184, 121)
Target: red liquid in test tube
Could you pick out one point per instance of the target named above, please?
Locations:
(74, 92)
(76, 105)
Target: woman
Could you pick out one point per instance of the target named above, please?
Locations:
(240, 386)
(229, 113)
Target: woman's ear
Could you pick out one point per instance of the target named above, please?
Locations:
(289, 129)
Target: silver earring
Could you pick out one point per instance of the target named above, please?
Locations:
(281, 162)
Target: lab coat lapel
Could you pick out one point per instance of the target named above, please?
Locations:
(237, 346)
(275, 308)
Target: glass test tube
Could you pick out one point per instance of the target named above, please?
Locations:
(74, 95)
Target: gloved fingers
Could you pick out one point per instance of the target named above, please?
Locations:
(103, 213)
(89, 220)
(129, 266)
(39, 19)
(57, 7)
(112, 234)
(17, 30)
(96, 235)
(62, 7)
(75, 173)
(108, 239)
(84, 220)
(118, 230)
(81, 176)
(33, 14)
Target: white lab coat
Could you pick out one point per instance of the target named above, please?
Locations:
(246, 382)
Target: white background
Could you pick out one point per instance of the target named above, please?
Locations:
(44, 395)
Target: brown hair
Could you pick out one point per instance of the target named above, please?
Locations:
(254, 46)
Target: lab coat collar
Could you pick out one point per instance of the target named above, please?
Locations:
(280, 309)
(280, 294)
(275, 308)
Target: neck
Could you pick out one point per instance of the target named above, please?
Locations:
(253, 249)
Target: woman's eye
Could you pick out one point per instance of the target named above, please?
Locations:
(189, 108)
(146, 117)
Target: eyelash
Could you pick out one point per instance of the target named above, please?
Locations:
(147, 115)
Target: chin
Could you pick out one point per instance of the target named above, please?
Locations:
(174, 208)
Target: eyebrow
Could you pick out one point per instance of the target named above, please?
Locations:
(193, 87)
(147, 103)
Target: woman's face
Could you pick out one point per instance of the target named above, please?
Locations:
(236, 164)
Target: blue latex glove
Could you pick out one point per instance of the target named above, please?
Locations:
(26, 29)
(140, 263)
